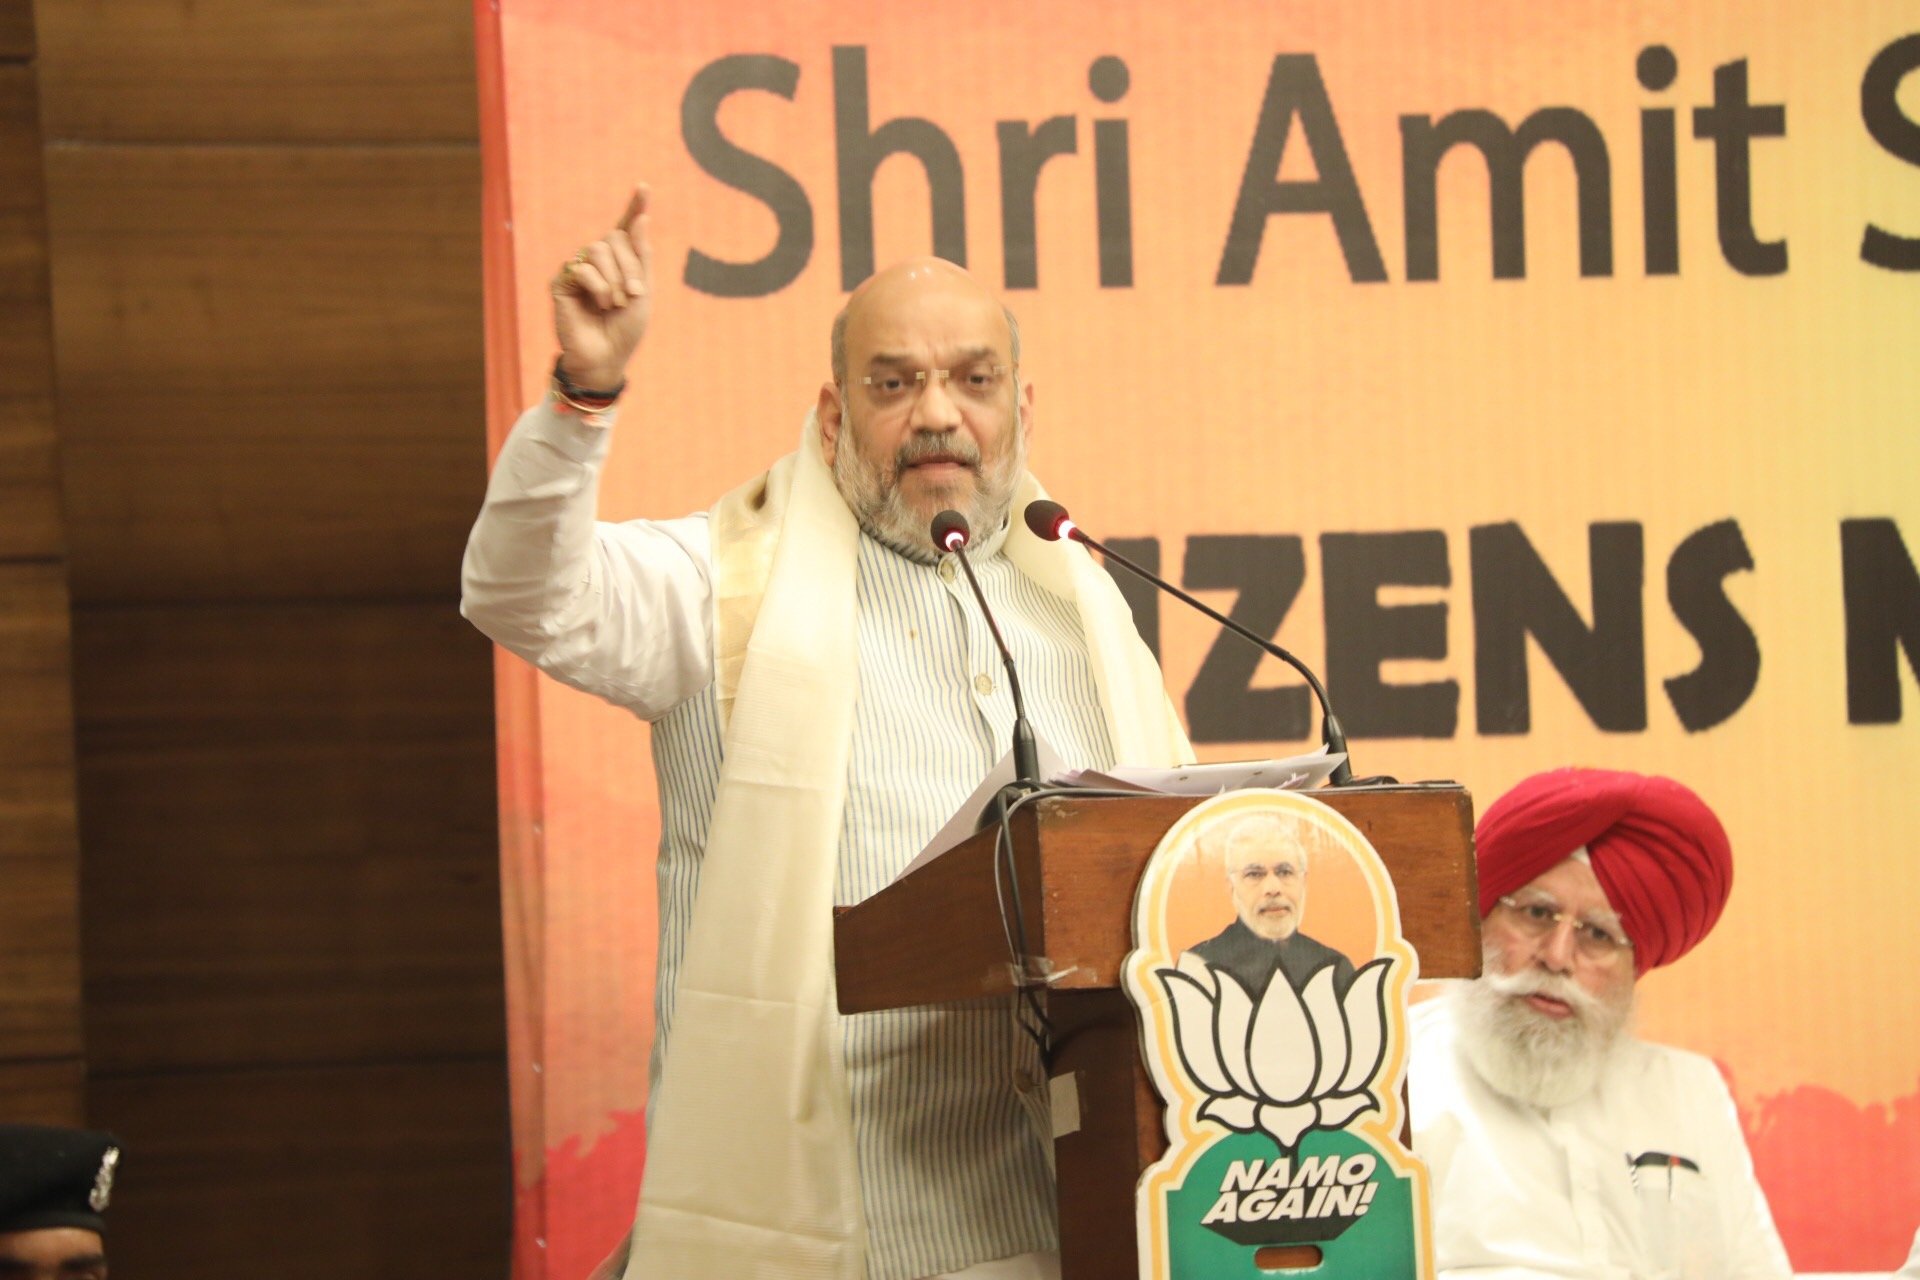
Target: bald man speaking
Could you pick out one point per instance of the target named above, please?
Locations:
(824, 694)
(1560, 1144)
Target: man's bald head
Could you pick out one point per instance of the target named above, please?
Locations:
(926, 410)
(902, 282)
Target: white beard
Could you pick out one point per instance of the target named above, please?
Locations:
(884, 513)
(1527, 1056)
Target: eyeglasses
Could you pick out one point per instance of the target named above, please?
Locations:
(979, 381)
(1593, 940)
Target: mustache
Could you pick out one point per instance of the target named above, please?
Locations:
(945, 447)
(1539, 983)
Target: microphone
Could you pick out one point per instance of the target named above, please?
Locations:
(952, 533)
(1050, 522)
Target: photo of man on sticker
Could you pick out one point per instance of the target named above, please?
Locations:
(1266, 863)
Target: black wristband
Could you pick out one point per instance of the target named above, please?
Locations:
(573, 391)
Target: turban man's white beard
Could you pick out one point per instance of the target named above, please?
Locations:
(1526, 1055)
(883, 511)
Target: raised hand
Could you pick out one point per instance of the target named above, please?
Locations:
(602, 299)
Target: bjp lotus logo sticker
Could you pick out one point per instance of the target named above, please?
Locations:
(1270, 976)
(1290, 1063)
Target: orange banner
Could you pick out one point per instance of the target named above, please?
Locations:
(1541, 373)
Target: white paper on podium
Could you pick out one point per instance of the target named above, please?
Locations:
(966, 819)
(1295, 773)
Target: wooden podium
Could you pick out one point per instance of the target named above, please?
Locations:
(936, 936)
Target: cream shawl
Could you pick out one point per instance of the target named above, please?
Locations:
(750, 1166)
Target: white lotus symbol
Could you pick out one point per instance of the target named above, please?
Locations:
(1291, 1063)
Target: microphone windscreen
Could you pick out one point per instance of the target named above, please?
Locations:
(1046, 518)
(951, 531)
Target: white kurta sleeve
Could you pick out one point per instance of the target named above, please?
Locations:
(1754, 1250)
(622, 611)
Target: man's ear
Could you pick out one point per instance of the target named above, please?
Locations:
(1026, 408)
(829, 410)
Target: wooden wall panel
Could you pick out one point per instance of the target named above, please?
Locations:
(271, 369)
(44, 1092)
(309, 792)
(16, 30)
(41, 1069)
(259, 70)
(310, 1175)
(29, 478)
(39, 909)
(39, 958)
(264, 229)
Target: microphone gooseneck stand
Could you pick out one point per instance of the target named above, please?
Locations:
(1049, 521)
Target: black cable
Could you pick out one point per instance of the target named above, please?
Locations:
(1005, 801)
(1010, 798)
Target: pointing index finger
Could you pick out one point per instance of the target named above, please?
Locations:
(636, 208)
(635, 225)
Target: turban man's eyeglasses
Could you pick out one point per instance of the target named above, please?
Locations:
(1537, 918)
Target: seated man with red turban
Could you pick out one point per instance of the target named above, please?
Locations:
(1560, 1144)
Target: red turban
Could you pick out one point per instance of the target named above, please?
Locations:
(1659, 853)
